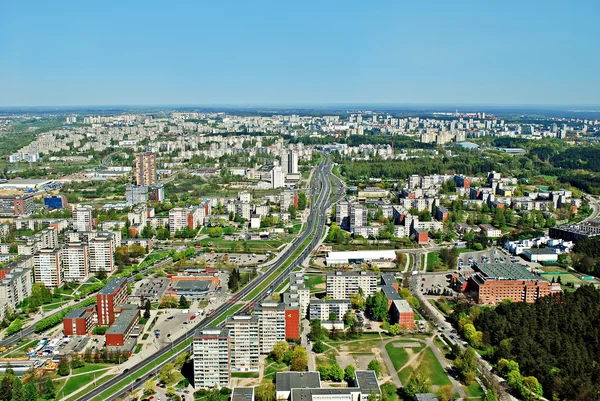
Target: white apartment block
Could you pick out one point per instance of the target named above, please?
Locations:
(244, 347)
(48, 268)
(101, 253)
(321, 308)
(82, 219)
(75, 261)
(277, 177)
(271, 324)
(341, 284)
(210, 350)
(342, 215)
(16, 285)
(358, 216)
(286, 199)
(178, 219)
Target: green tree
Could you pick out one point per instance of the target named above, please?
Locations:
(531, 389)
(357, 301)
(395, 329)
(336, 373)
(377, 306)
(30, 392)
(323, 372)
(183, 303)
(375, 366)
(64, 367)
(147, 307)
(299, 362)
(350, 374)
(149, 387)
(418, 383)
(265, 391)
(302, 201)
(318, 347)
(50, 390)
(279, 350)
(17, 390)
(466, 365)
(316, 330)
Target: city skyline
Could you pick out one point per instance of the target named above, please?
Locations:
(260, 54)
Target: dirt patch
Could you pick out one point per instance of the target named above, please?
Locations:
(406, 345)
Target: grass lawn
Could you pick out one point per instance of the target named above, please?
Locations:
(138, 348)
(272, 367)
(429, 363)
(474, 391)
(465, 250)
(313, 281)
(245, 375)
(83, 384)
(564, 278)
(47, 308)
(91, 368)
(400, 355)
(444, 306)
(203, 304)
(432, 259)
(20, 350)
(282, 285)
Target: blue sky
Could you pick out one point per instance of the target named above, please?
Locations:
(299, 52)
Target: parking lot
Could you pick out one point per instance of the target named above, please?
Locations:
(240, 259)
(493, 255)
(435, 282)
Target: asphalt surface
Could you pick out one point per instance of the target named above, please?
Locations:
(320, 201)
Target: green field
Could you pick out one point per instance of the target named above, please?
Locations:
(231, 311)
(429, 363)
(282, 285)
(272, 367)
(567, 279)
(398, 355)
(474, 391)
(91, 368)
(314, 280)
(221, 245)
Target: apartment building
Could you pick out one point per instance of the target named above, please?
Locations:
(82, 219)
(120, 331)
(341, 284)
(16, 205)
(358, 216)
(101, 253)
(15, 285)
(48, 268)
(322, 308)
(271, 324)
(113, 294)
(342, 215)
(243, 343)
(79, 322)
(210, 351)
(178, 219)
(145, 169)
(75, 261)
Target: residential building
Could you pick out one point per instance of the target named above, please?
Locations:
(322, 308)
(145, 169)
(358, 216)
(306, 386)
(156, 193)
(101, 253)
(342, 215)
(292, 322)
(16, 205)
(491, 231)
(135, 194)
(82, 219)
(210, 351)
(271, 324)
(75, 261)
(178, 219)
(107, 299)
(15, 283)
(277, 177)
(342, 284)
(244, 346)
(48, 267)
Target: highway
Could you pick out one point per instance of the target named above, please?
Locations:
(320, 201)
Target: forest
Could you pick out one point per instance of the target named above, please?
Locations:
(556, 340)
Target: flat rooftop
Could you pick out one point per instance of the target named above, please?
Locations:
(367, 381)
(112, 286)
(506, 271)
(123, 322)
(286, 381)
(242, 394)
(387, 254)
(193, 285)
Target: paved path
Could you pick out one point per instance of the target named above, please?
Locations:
(389, 364)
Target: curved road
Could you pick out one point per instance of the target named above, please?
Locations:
(321, 189)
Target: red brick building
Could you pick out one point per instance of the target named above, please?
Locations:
(79, 322)
(122, 327)
(402, 313)
(494, 282)
(113, 294)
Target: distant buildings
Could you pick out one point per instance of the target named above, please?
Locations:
(16, 205)
(135, 194)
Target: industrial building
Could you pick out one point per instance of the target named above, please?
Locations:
(345, 258)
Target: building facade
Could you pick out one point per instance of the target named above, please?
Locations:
(210, 350)
(145, 169)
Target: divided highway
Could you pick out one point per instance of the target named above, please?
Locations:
(320, 201)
